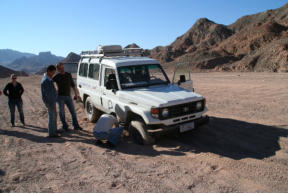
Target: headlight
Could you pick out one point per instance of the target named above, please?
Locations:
(165, 112)
(199, 105)
(155, 112)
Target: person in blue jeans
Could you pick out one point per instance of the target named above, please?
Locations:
(14, 91)
(64, 82)
(49, 98)
(107, 128)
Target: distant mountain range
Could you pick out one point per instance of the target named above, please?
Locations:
(27, 62)
(7, 56)
(256, 42)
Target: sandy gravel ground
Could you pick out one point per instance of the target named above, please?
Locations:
(243, 149)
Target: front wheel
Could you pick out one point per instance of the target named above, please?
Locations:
(92, 113)
(138, 133)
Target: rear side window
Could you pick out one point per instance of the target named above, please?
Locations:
(93, 71)
(83, 69)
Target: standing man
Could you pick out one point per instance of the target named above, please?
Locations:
(64, 82)
(49, 98)
(14, 91)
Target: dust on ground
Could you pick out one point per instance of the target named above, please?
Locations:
(243, 149)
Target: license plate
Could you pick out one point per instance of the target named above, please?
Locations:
(187, 127)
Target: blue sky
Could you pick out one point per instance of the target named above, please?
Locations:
(63, 26)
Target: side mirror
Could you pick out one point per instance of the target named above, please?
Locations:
(108, 85)
(111, 85)
(182, 79)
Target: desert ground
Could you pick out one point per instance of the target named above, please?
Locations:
(244, 148)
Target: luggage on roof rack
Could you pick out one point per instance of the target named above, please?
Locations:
(109, 49)
(133, 51)
(112, 50)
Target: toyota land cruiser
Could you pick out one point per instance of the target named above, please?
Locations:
(112, 79)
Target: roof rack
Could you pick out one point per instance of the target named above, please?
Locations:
(112, 51)
(133, 51)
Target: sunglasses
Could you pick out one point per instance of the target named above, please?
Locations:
(14, 78)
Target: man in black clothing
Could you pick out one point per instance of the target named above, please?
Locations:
(64, 82)
(14, 91)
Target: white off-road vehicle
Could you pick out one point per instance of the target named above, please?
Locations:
(115, 80)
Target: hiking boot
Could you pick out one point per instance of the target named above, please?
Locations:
(65, 128)
(54, 136)
(98, 142)
(78, 128)
(110, 145)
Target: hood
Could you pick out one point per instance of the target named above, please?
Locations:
(159, 96)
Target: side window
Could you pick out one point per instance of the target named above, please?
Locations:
(93, 71)
(110, 79)
(83, 69)
(107, 73)
(80, 69)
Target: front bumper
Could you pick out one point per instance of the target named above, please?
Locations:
(154, 129)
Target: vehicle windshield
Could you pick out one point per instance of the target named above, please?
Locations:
(141, 76)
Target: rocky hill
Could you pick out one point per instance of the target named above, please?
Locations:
(133, 45)
(35, 63)
(256, 42)
(6, 72)
(71, 58)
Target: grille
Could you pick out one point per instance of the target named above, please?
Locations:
(182, 109)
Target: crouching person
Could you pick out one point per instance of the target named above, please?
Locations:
(107, 128)
(49, 98)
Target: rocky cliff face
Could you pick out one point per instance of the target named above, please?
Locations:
(256, 42)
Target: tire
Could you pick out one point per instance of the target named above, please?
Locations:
(138, 133)
(92, 113)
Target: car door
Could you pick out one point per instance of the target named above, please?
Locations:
(108, 96)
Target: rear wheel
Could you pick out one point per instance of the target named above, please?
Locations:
(92, 113)
(139, 134)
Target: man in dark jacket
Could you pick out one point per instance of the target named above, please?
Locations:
(64, 83)
(49, 98)
(14, 91)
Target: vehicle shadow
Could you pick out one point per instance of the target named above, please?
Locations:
(226, 137)
(222, 136)
(235, 139)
